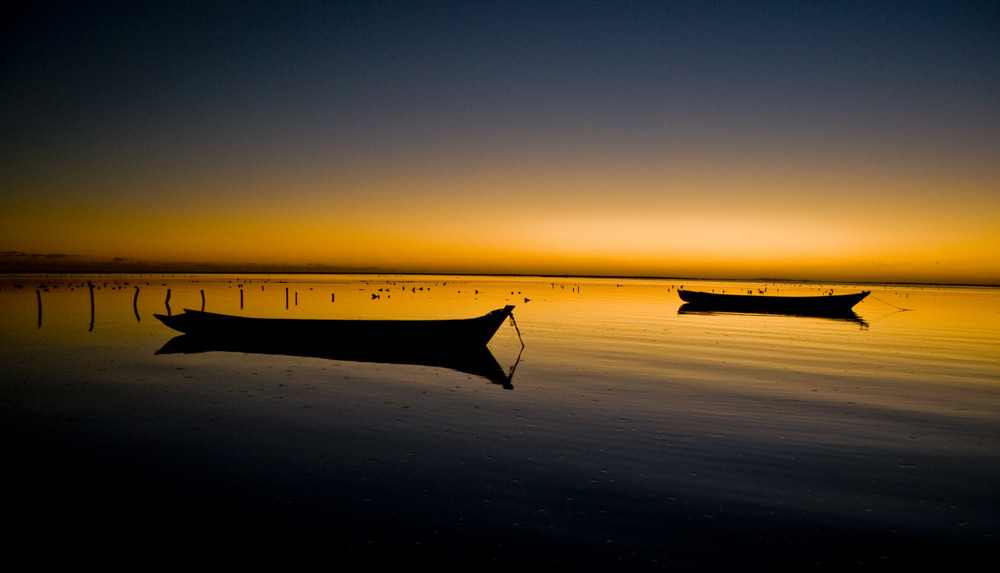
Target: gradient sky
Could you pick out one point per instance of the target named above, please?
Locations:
(815, 140)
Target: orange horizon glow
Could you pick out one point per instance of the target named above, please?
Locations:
(520, 236)
(598, 221)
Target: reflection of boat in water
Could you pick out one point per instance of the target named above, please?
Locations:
(477, 361)
(459, 344)
(826, 306)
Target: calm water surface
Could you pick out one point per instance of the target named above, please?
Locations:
(630, 435)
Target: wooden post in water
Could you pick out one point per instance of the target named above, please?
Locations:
(90, 285)
(135, 304)
(167, 302)
(39, 294)
(203, 300)
(286, 298)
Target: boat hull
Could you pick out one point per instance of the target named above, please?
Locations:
(417, 335)
(828, 305)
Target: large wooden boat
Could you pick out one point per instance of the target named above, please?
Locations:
(413, 334)
(458, 344)
(824, 305)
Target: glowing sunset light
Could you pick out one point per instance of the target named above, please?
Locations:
(805, 142)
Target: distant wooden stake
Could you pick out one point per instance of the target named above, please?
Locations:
(167, 302)
(203, 299)
(135, 304)
(91, 286)
(39, 293)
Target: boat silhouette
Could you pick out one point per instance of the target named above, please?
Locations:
(446, 333)
(838, 307)
(457, 344)
(769, 304)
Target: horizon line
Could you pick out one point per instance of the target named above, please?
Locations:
(216, 269)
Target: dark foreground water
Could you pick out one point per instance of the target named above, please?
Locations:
(629, 436)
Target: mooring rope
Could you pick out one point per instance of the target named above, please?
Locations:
(889, 303)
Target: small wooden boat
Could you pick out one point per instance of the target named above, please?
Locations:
(826, 305)
(417, 335)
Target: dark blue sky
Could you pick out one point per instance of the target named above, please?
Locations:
(324, 72)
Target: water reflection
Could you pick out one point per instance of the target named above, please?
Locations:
(477, 361)
(845, 315)
(653, 436)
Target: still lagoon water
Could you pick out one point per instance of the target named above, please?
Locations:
(628, 436)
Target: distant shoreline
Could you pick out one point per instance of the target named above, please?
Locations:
(194, 271)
